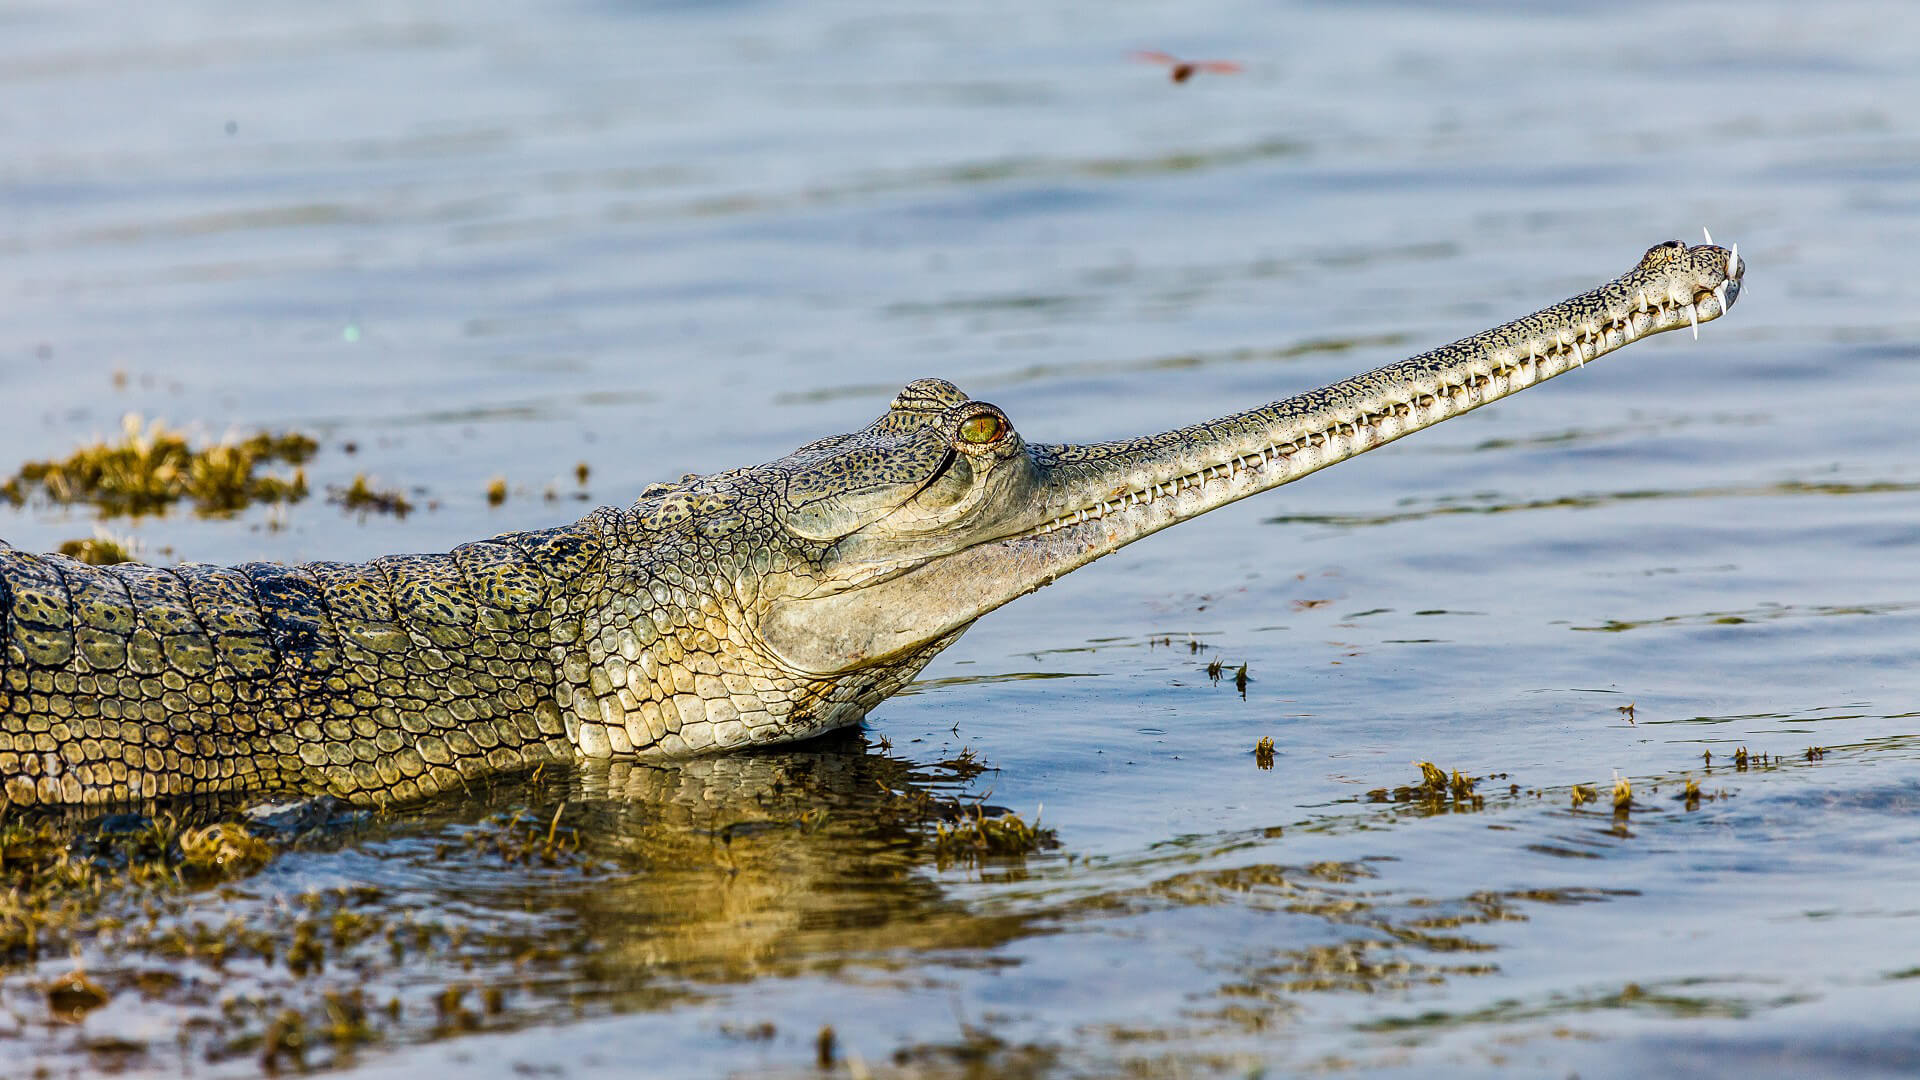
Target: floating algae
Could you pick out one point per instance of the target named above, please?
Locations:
(1437, 792)
(153, 467)
(976, 837)
(362, 497)
(101, 549)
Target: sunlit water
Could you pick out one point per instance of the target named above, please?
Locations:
(486, 239)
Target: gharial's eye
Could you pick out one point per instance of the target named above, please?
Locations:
(984, 428)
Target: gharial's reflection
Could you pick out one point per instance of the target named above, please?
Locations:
(775, 863)
(628, 887)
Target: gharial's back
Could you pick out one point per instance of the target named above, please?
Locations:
(395, 676)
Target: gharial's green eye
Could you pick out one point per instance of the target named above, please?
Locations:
(983, 429)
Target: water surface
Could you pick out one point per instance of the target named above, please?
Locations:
(496, 239)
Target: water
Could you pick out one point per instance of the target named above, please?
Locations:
(485, 240)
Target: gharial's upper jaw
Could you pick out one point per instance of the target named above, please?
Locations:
(1674, 286)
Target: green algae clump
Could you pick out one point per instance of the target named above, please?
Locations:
(977, 837)
(152, 467)
(222, 850)
(363, 498)
(101, 549)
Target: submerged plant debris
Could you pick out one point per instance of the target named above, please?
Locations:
(101, 549)
(252, 941)
(977, 837)
(1263, 752)
(153, 467)
(363, 498)
(1437, 792)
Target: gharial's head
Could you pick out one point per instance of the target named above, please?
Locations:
(881, 545)
(775, 602)
(876, 516)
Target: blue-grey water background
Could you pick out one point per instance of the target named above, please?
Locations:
(496, 239)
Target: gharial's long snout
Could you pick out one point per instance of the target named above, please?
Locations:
(1209, 465)
(1089, 500)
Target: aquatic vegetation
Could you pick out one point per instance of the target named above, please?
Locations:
(222, 850)
(1263, 752)
(1218, 669)
(101, 549)
(363, 497)
(1437, 792)
(1622, 794)
(73, 995)
(977, 837)
(518, 838)
(153, 467)
(496, 491)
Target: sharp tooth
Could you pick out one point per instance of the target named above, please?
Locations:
(1705, 233)
(1733, 260)
(1579, 355)
(1720, 294)
(1693, 317)
(1643, 301)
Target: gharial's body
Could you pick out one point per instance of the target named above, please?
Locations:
(754, 606)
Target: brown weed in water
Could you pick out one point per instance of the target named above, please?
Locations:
(73, 996)
(363, 498)
(1437, 791)
(152, 467)
(977, 837)
(222, 850)
(101, 549)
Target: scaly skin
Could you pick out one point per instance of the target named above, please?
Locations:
(755, 606)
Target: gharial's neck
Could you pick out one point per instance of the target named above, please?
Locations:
(656, 653)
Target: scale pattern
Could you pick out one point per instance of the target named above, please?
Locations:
(412, 674)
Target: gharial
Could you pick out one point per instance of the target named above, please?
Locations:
(752, 606)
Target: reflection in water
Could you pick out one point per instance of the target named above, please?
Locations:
(750, 865)
(623, 887)
(630, 886)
